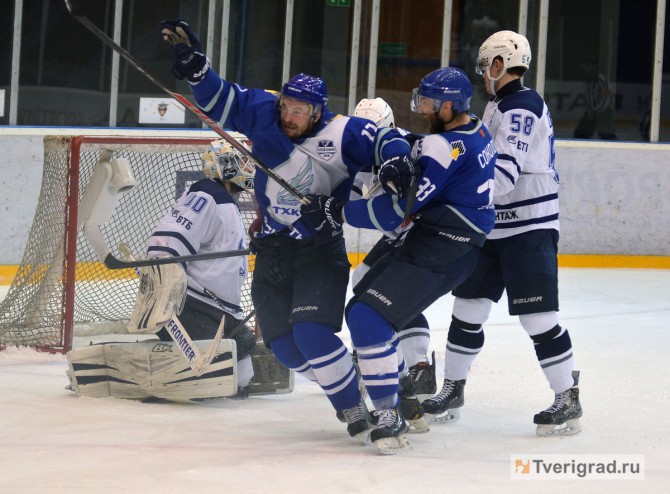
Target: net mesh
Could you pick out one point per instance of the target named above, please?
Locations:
(35, 311)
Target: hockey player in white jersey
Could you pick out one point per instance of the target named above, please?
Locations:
(520, 255)
(302, 270)
(206, 219)
(415, 336)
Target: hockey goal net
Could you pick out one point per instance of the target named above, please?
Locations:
(60, 284)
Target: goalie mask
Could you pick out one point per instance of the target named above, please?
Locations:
(222, 161)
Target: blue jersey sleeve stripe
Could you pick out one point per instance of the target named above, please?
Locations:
(528, 202)
(214, 100)
(179, 237)
(507, 174)
(511, 159)
(226, 109)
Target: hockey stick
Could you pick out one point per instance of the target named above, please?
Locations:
(112, 262)
(207, 357)
(77, 13)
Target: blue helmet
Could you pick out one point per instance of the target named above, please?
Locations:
(445, 84)
(310, 89)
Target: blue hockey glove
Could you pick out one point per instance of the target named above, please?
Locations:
(323, 213)
(190, 61)
(398, 170)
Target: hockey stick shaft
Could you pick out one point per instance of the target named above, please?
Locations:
(209, 355)
(112, 262)
(76, 12)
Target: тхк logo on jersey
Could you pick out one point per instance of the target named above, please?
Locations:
(326, 149)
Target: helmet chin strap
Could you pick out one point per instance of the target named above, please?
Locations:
(492, 80)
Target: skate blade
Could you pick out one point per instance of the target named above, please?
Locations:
(449, 416)
(569, 428)
(393, 445)
(418, 426)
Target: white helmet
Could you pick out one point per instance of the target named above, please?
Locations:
(226, 163)
(512, 47)
(376, 110)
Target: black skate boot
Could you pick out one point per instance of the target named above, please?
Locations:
(411, 408)
(389, 435)
(423, 379)
(358, 421)
(561, 418)
(444, 406)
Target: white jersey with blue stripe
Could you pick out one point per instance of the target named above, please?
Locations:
(526, 183)
(321, 162)
(206, 219)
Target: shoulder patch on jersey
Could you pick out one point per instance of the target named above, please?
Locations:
(458, 148)
(526, 99)
(326, 149)
(214, 189)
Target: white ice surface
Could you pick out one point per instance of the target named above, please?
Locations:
(52, 442)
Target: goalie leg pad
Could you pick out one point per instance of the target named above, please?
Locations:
(150, 369)
(162, 293)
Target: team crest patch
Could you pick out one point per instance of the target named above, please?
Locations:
(326, 149)
(458, 148)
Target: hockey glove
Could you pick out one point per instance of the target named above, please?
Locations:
(399, 171)
(254, 231)
(190, 61)
(323, 213)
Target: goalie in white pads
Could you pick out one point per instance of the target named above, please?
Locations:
(187, 302)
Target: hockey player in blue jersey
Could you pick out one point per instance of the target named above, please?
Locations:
(520, 255)
(302, 271)
(452, 213)
(414, 338)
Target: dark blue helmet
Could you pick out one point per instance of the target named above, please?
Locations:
(445, 84)
(307, 88)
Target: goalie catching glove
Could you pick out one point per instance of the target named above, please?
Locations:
(323, 213)
(190, 61)
(162, 294)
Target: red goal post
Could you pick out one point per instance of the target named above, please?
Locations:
(60, 283)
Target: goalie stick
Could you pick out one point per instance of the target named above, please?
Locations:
(112, 262)
(78, 14)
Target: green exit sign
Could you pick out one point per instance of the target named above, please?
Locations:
(338, 3)
(393, 49)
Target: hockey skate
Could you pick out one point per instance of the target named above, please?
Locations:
(444, 407)
(389, 435)
(411, 408)
(424, 383)
(358, 421)
(561, 418)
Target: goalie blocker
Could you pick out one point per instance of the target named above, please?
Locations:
(156, 369)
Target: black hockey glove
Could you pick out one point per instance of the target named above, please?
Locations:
(190, 61)
(323, 213)
(398, 170)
